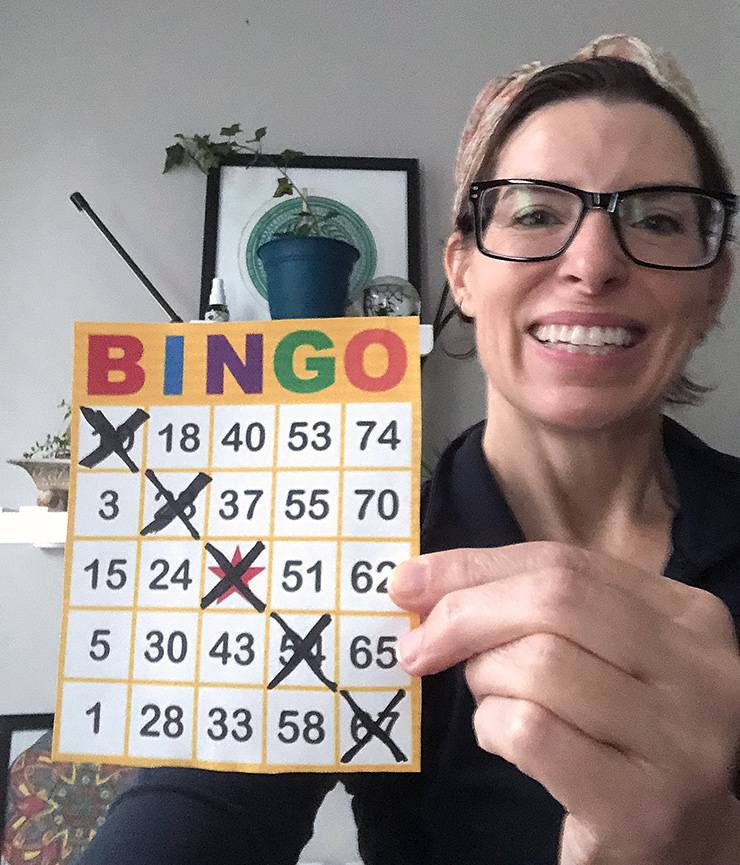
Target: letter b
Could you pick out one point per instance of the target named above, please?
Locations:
(100, 364)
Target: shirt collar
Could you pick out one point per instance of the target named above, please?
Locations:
(706, 529)
(465, 504)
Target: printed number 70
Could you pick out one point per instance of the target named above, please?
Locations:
(387, 503)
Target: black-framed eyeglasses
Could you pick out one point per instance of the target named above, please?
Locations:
(665, 227)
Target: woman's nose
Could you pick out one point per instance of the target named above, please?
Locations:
(594, 259)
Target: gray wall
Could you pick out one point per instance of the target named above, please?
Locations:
(91, 93)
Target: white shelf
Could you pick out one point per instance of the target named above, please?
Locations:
(426, 339)
(41, 527)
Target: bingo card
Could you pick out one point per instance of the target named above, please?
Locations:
(240, 494)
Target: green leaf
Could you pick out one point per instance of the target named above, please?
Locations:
(222, 149)
(231, 131)
(206, 160)
(284, 187)
(290, 155)
(260, 133)
(175, 156)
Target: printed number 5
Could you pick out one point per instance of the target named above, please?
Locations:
(98, 641)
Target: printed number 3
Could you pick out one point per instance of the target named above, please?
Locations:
(110, 509)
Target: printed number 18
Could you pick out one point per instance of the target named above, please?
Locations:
(189, 437)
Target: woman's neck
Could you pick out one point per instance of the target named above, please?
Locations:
(609, 489)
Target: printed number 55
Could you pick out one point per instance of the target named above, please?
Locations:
(296, 507)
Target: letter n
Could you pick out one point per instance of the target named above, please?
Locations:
(247, 372)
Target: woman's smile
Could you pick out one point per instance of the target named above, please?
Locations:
(587, 340)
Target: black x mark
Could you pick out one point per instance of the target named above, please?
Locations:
(233, 577)
(374, 730)
(302, 651)
(112, 439)
(175, 507)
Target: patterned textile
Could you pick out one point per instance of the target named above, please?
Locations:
(499, 93)
(54, 809)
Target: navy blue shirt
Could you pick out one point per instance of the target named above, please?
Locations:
(466, 807)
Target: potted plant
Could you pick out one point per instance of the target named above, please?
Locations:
(47, 461)
(307, 271)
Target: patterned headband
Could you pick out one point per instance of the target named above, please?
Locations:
(499, 93)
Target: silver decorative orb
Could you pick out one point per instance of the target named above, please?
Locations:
(390, 295)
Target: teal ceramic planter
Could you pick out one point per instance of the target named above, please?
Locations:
(307, 277)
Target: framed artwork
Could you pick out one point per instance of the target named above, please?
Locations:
(376, 202)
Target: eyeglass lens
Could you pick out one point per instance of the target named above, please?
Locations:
(672, 229)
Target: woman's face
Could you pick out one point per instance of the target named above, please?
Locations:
(596, 147)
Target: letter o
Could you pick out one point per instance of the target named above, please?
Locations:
(354, 360)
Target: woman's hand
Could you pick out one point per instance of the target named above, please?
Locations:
(615, 688)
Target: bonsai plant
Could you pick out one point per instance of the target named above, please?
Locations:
(47, 461)
(307, 272)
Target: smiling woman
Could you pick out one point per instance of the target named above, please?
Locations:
(580, 583)
(581, 268)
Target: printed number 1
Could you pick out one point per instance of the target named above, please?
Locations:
(95, 712)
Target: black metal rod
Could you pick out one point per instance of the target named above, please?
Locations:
(79, 202)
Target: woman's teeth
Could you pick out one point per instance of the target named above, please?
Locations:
(589, 340)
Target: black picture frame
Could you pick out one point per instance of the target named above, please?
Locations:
(10, 725)
(215, 193)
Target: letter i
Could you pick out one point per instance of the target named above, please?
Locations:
(174, 351)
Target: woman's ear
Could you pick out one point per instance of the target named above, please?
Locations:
(457, 262)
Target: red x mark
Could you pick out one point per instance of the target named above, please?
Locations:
(245, 578)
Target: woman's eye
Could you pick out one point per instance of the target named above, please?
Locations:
(660, 223)
(536, 218)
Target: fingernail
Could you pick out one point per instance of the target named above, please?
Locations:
(409, 645)
(410, 578)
